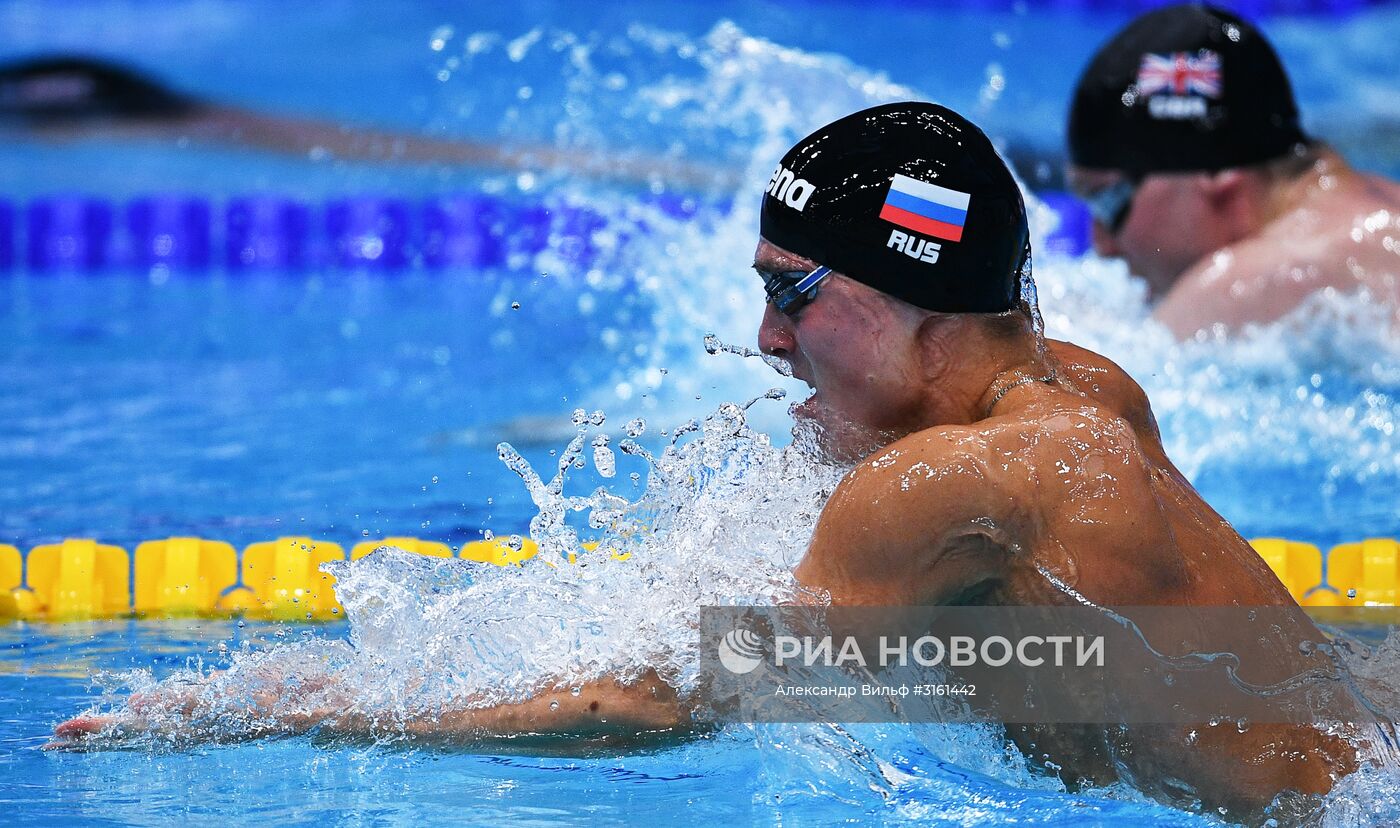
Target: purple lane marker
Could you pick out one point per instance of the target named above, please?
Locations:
(7, 235)
(1072, 237)
(266, 233)
(463, 231)
(369, 232)
(169, 230)
(68, 232)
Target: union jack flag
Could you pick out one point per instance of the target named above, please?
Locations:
(1180, 73)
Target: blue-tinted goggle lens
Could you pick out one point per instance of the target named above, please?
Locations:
(792, 290)
(1110, 206)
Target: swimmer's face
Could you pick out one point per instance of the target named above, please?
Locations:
(1166, 229)
(853, 349)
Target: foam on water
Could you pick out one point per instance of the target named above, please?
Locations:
(723, 520)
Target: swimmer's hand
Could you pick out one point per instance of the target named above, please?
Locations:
(143, 712)
(185, 712)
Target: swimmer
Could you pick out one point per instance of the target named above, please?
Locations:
(1184, 141)
(68, 98)
(894, 252)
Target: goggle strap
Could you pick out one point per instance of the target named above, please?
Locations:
(812, 279)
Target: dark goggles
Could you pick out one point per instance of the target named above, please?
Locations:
(1110, 206)
(792, 290)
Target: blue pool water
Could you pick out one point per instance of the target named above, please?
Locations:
(348, 404)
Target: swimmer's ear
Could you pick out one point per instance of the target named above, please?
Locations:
(1229, 194)
(934, 339)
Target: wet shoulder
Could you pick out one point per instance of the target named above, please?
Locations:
(1102, 381)
(1072, 460)
(1061, 436)
(1339, 246)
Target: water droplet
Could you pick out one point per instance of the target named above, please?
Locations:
(635, 427)
(577, 691)
(554, 705)
(515, 306)
(364, 533)
(435, 478)
(603, 458)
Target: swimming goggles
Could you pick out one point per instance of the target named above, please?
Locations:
(1110, 206)
(792, 290)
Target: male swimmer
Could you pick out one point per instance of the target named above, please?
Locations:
(893, 250)
(69, 98)
(1184, 140)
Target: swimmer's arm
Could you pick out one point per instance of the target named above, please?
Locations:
(315, 138)
(920, 523)
(603, 709)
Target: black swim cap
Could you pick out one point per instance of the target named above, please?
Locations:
(910, 199)
(67, 89)
(1183, 89)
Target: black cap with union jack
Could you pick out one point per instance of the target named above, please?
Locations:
(1183, 89)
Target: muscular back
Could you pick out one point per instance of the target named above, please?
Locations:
(1195, 531)
(1065, 496)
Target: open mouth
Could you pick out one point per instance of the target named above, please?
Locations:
(805, 408)
(811, 389)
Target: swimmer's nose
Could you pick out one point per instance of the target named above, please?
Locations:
(775, 333)
(1105, 242)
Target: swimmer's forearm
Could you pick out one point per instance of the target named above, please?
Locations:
(600, 709)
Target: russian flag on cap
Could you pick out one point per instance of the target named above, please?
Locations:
(926, 208)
